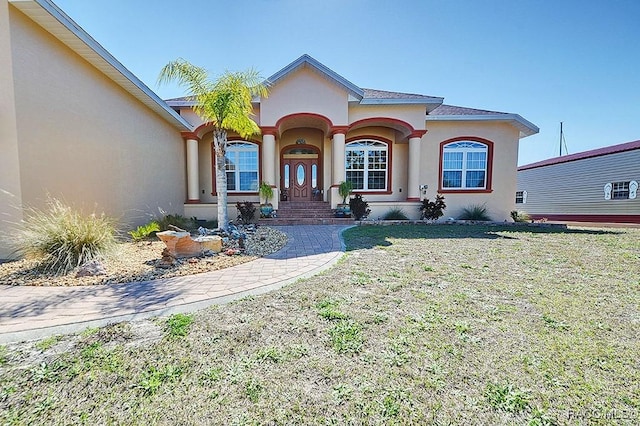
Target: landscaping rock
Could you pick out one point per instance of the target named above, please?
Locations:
(91, 268)
(180, 244)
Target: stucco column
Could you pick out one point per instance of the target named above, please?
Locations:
(337, 150)
(269, 158)
(193, 174)
(413, 169)
(338, 162)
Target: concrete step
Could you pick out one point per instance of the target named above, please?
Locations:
(280, 221)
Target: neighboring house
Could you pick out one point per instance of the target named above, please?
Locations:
(319, 129)
(592, 186)
(77, 125)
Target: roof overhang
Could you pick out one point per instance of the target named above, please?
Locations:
(525, 127)
(51, 18)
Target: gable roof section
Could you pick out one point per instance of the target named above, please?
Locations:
(307, 61)
(599, 152)
(51, 18)
(456, 113)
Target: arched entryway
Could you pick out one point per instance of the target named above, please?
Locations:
(300, 174)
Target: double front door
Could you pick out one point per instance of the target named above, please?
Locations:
(300, 177)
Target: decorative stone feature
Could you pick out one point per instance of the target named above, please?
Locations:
(91, 268)
(180, 244)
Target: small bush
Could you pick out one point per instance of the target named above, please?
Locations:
(246, 211)
(64, 238)
(143, 231)
(432, 210)
(359, 207)
(178, 221)
(396, 213)
(475, 212)
(520, 216)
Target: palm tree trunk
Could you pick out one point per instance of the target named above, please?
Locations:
(220, 148)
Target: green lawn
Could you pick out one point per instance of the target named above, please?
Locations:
(416, 325)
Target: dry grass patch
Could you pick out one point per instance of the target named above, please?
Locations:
(417, 325)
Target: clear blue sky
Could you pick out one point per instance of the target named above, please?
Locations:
(574, 61)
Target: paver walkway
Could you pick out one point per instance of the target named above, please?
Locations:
(28, 313)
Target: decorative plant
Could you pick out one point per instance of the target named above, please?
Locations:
(475, 212)
(345, 190)
(246, 211)
(396, 213)
(63, 238)
(143, 231)
(266, 191)
(520, 216)
(359, 207)
(432, 210)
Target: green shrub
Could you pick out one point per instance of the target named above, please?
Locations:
(143, 231)
(359, 207)
(475, 212)
(520, 216)
(432, 210)
(178, 221)
(396, 213)
(64, 238)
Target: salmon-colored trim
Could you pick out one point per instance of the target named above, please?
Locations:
(269, 130)
(413, 198)
(189, 135)
(338, 129)
(389, 143)
(417, 134)
(375, 120)
(602, 218)
(192, 202)
(488, 187)
(304, 114)
(214, 192)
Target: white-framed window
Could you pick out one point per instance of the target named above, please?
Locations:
(366, 165)
(620, 190)
(521, 197)
(464, 165)
(241, 166)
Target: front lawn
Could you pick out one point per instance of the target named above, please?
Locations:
(416, 325)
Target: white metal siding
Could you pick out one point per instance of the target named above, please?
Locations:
(577, 187)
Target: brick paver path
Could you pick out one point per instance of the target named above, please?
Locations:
(34, 312)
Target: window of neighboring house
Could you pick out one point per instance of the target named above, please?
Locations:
(241, 165)
(464, 165)
(521, 198)
(367, 165)
(620, 190)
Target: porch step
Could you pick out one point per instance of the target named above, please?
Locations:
(305, 213)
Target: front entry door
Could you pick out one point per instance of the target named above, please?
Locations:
(301, 186)
(300, 178)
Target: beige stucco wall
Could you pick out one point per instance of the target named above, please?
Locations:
(10, 191)
(505, 158)
(84, 139)
(305, 91)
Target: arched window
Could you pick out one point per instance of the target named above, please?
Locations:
(241, 165)
(367, 165)
(464, 165)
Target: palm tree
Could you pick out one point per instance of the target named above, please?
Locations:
(226, 104)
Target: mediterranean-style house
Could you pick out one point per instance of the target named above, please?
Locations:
(599, 185)
(77, 125)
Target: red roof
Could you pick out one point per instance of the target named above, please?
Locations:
(613, 149)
